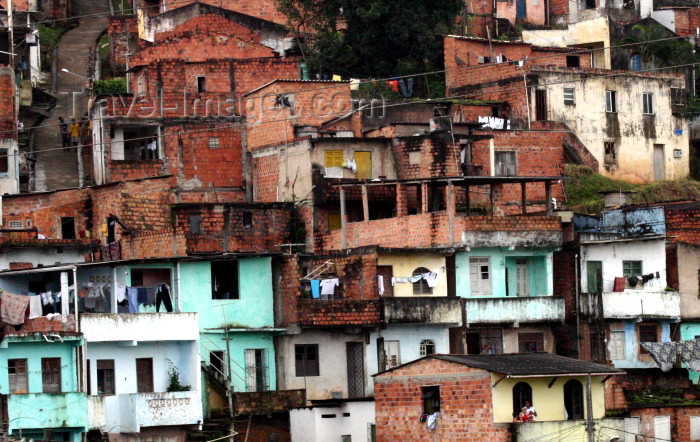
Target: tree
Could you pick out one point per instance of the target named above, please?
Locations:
(657, 47)
(372, 38)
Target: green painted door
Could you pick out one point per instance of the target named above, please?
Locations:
(592, 268)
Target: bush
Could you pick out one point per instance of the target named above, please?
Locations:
(115, 86)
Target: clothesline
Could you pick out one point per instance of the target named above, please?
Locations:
(665, 353)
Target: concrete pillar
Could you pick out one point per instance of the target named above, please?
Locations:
(343, 222)
(424, 197)
(365, 203)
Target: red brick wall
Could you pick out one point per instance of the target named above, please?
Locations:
(682, 224)
(265, 178)
(438, 157)
(8, 115)
(559, 7)
(338, 313)
(466, 405)
(679, 417)
(264, 9)
(122, 31)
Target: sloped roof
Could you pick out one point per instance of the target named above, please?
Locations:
(526, 364)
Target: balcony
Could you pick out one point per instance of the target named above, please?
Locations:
(423, 310)
(135, 327)
(575, 429)
(515, 309)
(339, 313)
(130, 412)
(44, 410)
(267, 402)
(633, 304)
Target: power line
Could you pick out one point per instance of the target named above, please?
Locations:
(397, 104)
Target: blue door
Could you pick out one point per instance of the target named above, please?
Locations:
(520, 10)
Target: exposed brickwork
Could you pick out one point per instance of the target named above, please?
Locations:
(338, 313)
(8, 103)
(223, 227)
(122, 31)
(438, 157)
(264, 9)
(466, 405)
(679, 420)
(682, 224)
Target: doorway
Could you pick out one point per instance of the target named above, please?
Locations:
(356, 369)
(659, 163)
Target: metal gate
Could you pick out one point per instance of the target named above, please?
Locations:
(356, 369)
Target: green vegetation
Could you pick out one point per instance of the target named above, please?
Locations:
(661, 398)
(174, 375)
(372, 38)
(583, 190)
(114, 86)
(49, 35)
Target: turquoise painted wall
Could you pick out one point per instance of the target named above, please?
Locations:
(253, 309)
(68, 410)
(539, 267)
(33, 352)
(164, 265)
(632, 345)
(689, 331)
(238, 343)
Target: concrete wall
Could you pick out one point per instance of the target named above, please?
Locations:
(549, 402)
(543, 430)
(39, 411)
(136, 327)
(590, 32)
(332, 363)
(350, 418)
(45, 257)
(688, 268)
(515, 309)
(510, 337)
(633, 133)
(253, 309)
(633, 359)
(640, 303)
(404, 265)
(652, 253)
(539, 266)
(409, 337)
(34, 352)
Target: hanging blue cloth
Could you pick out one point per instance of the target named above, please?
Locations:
(316, 288)
(406, 87)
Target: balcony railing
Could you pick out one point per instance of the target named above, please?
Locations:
(633, 304)
(338, 313)
(130, 412)
(102, 327)
(423, 310)
(515, 309)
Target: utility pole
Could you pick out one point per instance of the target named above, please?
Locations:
(590, 427)
(10, 25)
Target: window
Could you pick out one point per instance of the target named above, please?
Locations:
(522, 392)
(256, 369)
(488, 341)
(631, 268)
(51, 375)
(588, 4)
(694, 427)
(105, 376)
(421, 286)
(505, 164)
(480, 276)
(306, 360)
(19, 380)
(224, 280)
(662, 428)
(334, 158)
(569, 96)
(610, 101)
(530, 342)
(387, 272)
(201, 84)
(247, 220)
(427, 347)
(647, 333)
(573, 61)
(393, 358)
(67, 227)
(573, 399)
(636, 62)
(616, 347)
(4, 161)
(346, 438)
(610, 156)
(214, 143)
(431, 399)
(648, 104)
(144, 375)
(195, 224)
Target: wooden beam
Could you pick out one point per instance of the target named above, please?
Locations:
(523, 197)
(498, 381)
(552, 383)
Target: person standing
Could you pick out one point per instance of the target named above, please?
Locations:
(65, 135)
(75, 132)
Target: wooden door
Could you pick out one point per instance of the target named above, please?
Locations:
(540, 104)
(592, 269)
(363, 161)
(144, 375)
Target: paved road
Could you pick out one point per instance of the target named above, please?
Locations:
(56, 168)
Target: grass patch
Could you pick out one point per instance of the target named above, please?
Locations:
(582, 191)
(49, 36)
(114, 86)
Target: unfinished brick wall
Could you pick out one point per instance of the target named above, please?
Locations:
(233, 227)
(264, 9)
(339, 313)
(122, 31)
(679, 420)
(314, 103)
(466, 404)
(265, 178)
(8, 112)
(426, 156)
(682, 223)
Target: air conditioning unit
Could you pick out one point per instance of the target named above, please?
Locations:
(677, 153)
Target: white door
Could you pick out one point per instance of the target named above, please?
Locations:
(662, 428)
(659, 163)
(631, 429)
(522, 278)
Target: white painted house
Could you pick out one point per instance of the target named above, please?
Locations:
(334, 420)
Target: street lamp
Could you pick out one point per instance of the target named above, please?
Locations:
(77, 75)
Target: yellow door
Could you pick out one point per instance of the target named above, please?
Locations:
(334, 221)
(363, 161)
